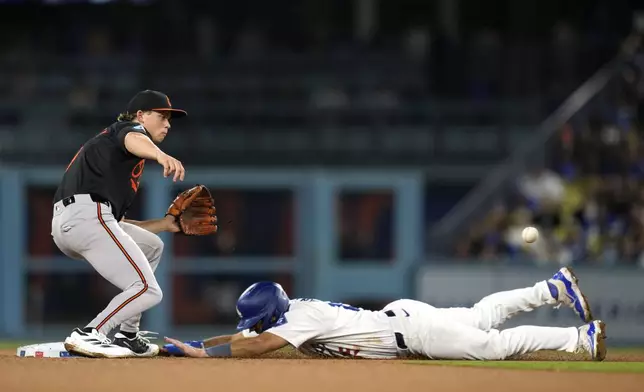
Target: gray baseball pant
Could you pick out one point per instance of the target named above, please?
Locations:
(124, 254)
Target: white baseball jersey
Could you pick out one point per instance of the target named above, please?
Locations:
(336, 330)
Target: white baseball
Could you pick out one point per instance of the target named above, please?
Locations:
(530, 234)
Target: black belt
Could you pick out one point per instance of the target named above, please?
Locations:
(400, 339)
(95, 198)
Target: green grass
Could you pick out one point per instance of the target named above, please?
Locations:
(12, 345)
(582, 366)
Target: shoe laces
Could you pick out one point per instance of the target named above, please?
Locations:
(142, 336)
(101, 338)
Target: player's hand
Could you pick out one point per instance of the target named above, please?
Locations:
(171, 165)
(187, 350)
(172, 350)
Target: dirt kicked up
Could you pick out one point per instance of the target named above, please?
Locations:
(291, 373)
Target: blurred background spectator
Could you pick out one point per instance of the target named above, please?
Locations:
(587, 201)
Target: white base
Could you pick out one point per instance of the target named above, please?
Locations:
(45, 350)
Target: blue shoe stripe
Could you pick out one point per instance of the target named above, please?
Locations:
(554, 292)
(591, 336)
(579, 308)
(571, 292)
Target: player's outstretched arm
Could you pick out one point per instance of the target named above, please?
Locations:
(249, 347)
(217, 340)
(141, 146)
(171, 349)
(168, 223)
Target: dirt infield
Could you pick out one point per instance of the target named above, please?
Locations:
(288, 374)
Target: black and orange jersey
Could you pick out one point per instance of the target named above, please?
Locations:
(104, 168)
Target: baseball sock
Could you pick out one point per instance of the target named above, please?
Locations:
(129, 335)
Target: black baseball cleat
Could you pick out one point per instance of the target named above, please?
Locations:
(139, 344)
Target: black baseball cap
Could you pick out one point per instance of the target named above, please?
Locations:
(148, 100)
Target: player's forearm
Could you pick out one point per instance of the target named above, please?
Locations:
(237, 349)
(239, 346)
(153, 225)
(217, 340)
(141, 146)
(247, 347)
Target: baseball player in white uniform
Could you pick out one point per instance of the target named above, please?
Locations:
(403, 328)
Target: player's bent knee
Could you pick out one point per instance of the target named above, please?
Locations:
(484, 320)
(155, 294)
(153, 248)
(151, 292)
(157, 245)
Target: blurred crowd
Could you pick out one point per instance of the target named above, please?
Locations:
(588, 201)
(249, 63)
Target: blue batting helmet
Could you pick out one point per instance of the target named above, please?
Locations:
(261, 306)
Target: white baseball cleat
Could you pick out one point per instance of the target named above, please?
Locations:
(94, 344)
(592, 340)
(564, 288)
(139, 345)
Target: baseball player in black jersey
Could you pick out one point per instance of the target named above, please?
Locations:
(98, 187)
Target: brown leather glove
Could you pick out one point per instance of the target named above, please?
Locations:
(194, 210)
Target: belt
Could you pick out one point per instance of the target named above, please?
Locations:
(95, 198)
(400, 339)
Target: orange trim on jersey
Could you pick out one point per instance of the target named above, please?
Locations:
(81, 148)
(127, 256)
(74, 158)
